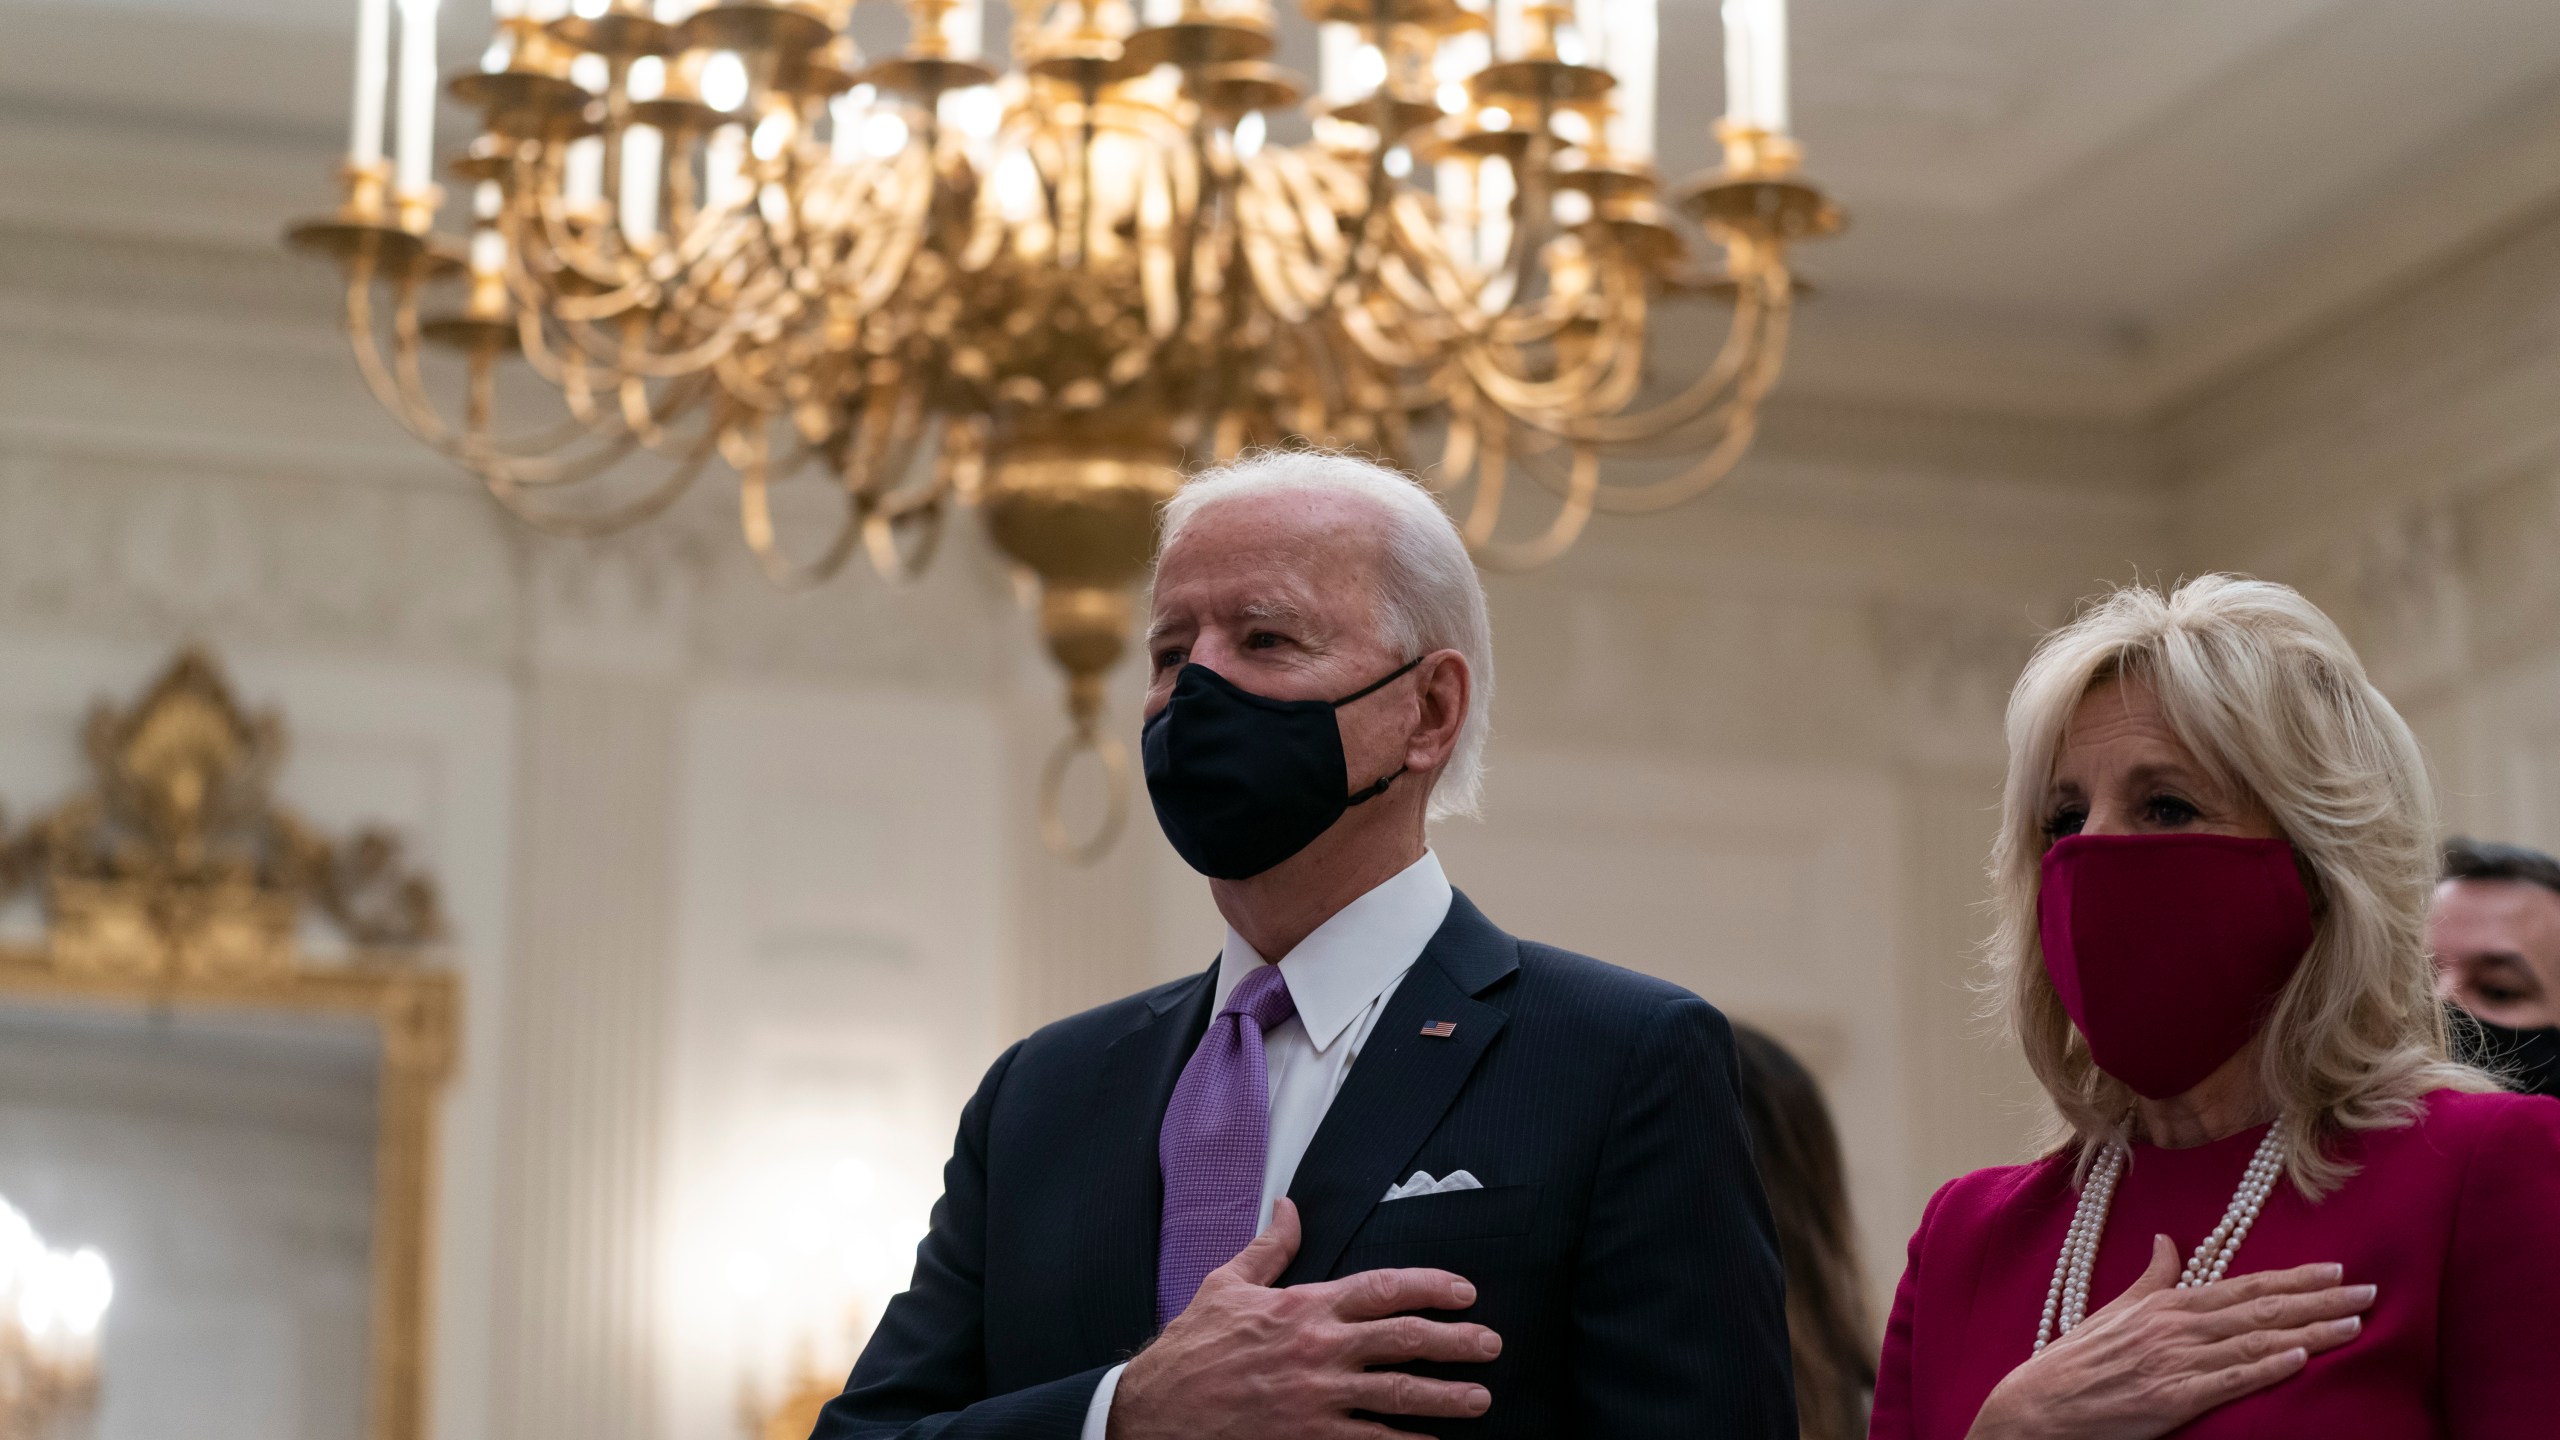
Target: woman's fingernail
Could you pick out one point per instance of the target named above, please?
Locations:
(2333, 1273)
(2346, 1329)
(2361, 1294)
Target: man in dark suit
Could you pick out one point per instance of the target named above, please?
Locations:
(1412, 1174)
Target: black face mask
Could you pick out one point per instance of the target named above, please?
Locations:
(1241, 781)
(2527, 1059)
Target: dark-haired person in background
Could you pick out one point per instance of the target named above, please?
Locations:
(2495, 929)
(1798, 1153)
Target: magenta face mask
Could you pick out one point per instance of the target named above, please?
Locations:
(2169, 951)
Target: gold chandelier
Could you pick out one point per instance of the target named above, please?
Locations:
(717, 235)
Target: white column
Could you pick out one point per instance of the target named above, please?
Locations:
(586, 1054)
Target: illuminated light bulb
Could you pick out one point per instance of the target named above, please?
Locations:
(1453, 98)
(1251, 131)
(1494, 117)
(590, 72)
(648, 78)
(884, 133)
(1399, 162)
(724, 80)
(977, 112)
(772, 133)
(1572, 207)
(1369, 67)
(501, 51)
(1017, 187)
(1573, 127)
(88, 1287)
(588, 9)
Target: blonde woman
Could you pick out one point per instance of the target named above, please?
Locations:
(2273, 1206)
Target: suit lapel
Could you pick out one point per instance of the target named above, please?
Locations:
(1124, 1204)
(1401, 1085)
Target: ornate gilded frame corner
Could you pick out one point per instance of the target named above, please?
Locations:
(176, 882)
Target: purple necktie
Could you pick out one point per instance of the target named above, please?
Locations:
(1217, 1137)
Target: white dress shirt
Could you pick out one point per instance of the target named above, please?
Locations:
(1341, 977)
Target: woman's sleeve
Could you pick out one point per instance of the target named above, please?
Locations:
(1893, 1417)
(2500, 1334)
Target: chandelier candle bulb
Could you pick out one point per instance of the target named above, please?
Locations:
(488, 243)
(373, 81)
(1755, 64)
(418, 87)
(964, 30)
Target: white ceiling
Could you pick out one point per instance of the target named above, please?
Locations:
(2062, 206)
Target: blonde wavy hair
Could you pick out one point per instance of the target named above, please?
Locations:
(2266, 693)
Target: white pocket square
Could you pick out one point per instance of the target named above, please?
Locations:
(1423, 1184)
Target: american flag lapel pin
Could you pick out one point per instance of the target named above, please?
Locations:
(1440, 1029)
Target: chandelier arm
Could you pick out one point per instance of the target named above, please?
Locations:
(958, 469)
(1516, 556)
(1085, 739)
(1292, 249)
(587, 527)
(396, 386)
(755, 520)
(538, 465)
(1759, 322)
(1604, 381)
(1710, 468)
(1491, 475)
(424, 422)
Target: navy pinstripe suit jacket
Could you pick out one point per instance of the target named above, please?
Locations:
(1620, 1244)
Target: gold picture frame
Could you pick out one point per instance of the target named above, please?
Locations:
(176, 882)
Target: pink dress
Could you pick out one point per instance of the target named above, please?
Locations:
(2456, 1219)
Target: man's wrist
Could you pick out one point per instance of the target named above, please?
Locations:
(1097, 1414)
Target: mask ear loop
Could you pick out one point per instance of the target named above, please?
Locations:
(1363, 693)
(1381, 683)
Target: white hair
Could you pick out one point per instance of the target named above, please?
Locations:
(1428, 595)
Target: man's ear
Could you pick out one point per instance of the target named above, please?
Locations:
(1444, 688)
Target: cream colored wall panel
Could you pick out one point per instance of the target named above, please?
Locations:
(1773, 891)
(843, 940)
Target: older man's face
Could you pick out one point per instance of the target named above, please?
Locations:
(1278, 593)
(2497, 949)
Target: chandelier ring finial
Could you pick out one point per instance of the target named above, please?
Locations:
(1085, 739)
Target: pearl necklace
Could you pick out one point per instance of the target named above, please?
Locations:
(2066, 1300)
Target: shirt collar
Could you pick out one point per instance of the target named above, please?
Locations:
(1352, 958)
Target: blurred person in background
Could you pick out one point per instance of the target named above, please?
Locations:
(1798, 1152)
(2274, 1204)
(2494, 929)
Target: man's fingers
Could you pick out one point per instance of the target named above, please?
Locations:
(2288, 1311)
(1374, 1294)
(1262, 1261)
(1399, 1338)
(1388, 1392)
